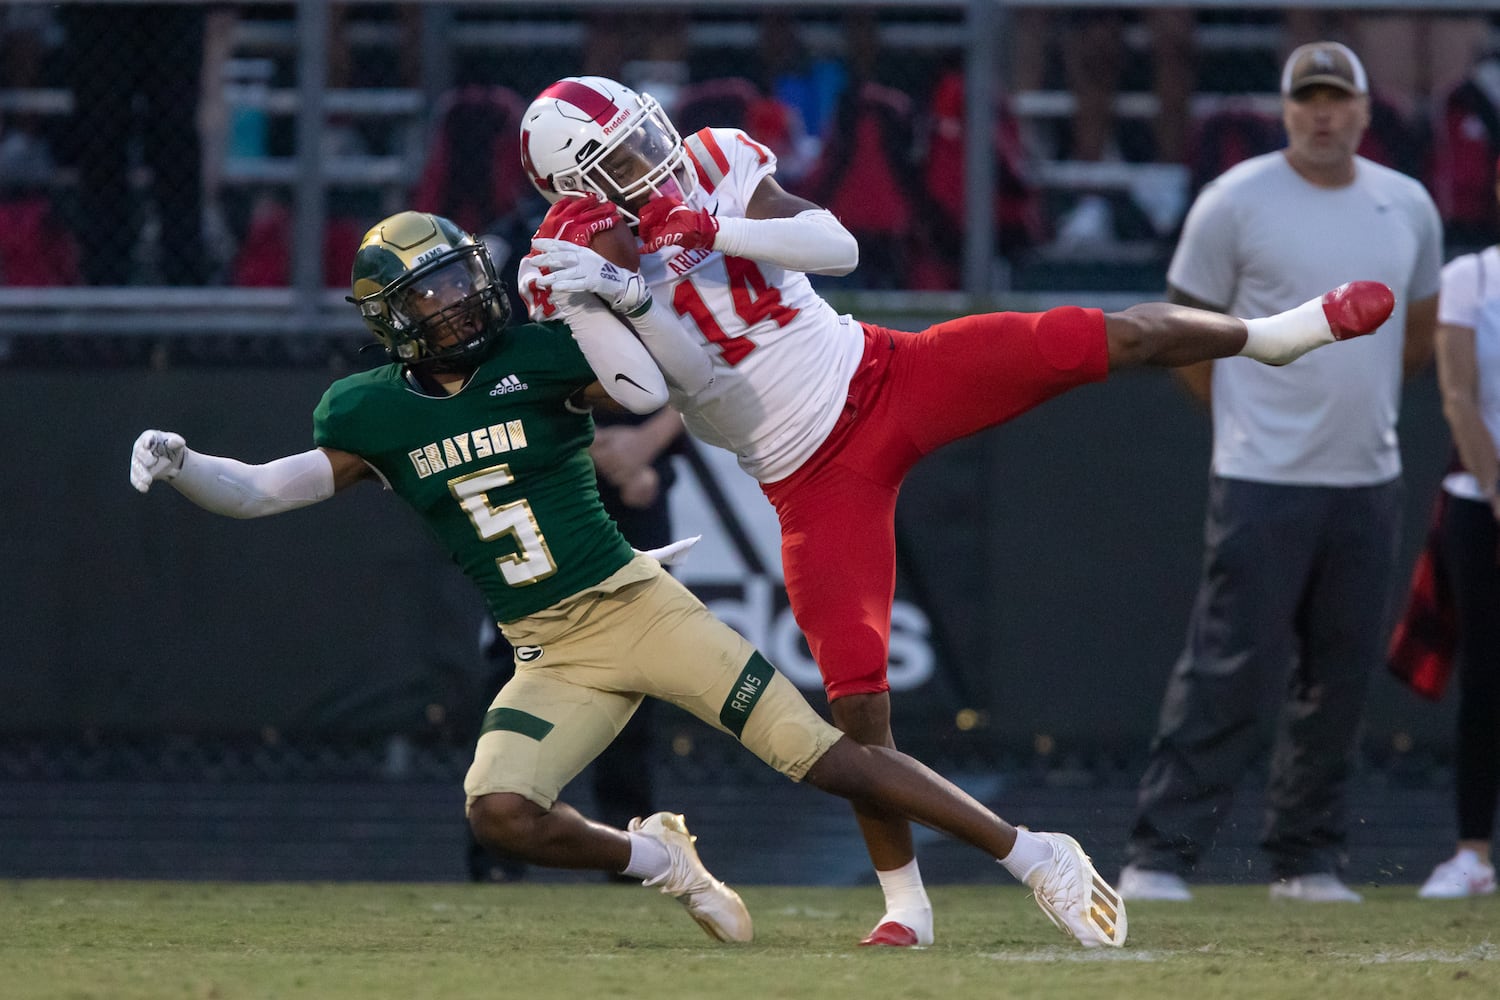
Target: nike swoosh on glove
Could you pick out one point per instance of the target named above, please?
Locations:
(578, 219)
(667, 222)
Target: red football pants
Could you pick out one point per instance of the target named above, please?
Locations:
(911, 393)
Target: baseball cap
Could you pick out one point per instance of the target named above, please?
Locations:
(1328, 63)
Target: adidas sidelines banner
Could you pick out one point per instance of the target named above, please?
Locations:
(736, 571)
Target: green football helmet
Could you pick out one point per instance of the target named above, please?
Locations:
(428, 291)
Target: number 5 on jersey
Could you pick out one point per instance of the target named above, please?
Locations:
(534, 561)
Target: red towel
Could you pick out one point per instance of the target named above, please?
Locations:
(1422, 647)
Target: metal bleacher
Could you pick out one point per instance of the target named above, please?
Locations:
(1147, 197)
(1236, 44)
(388, 173)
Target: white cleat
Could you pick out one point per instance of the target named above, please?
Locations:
(1321, 887)
(1153, 886)
(1075, 897)
(1464, 875)
(717, 908)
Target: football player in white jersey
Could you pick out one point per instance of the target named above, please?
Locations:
(826, 412)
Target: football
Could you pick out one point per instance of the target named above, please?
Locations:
(617, 245)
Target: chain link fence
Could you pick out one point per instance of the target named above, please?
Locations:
(249, 145)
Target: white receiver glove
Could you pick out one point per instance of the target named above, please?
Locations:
(156, 455)
(569, 267)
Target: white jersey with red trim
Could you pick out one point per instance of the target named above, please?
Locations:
(782, 357)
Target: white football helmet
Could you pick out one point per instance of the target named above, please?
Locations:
(590, 133)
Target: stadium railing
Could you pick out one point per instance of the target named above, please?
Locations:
(297, 36)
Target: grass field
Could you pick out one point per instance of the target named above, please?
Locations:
(220, 941)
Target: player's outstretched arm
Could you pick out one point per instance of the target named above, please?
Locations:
(232, 488)
(779, 228)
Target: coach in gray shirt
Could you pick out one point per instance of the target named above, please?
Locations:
(1305, 495)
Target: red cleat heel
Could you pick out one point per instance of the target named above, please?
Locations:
(892, 935)
(1356, 308)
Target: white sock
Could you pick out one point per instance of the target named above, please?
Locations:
(1029, 854)
(1471, 856)
(906, 901)
(903, 888)
(648, 857)
(1287, 336)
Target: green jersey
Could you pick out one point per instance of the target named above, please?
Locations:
(500, 471)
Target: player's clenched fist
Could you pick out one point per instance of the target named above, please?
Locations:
(156, 455)
(667, 222)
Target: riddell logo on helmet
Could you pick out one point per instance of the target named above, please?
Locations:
(617, 121)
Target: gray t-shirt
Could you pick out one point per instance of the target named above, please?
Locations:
(1259, 240)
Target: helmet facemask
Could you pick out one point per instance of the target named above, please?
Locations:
(649, 160)
(627, 164)
(443, 314)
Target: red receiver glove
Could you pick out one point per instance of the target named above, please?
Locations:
(667, 222)
(578, 219)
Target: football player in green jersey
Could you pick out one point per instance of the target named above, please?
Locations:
(484, 430)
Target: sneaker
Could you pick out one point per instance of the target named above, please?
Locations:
(1075, 898)
(1356, 308)
(1461, 876)
(902, 929)
(1353, 309)
(717, 908)
(891, 934)
(1153, 886)
(1322, 887)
